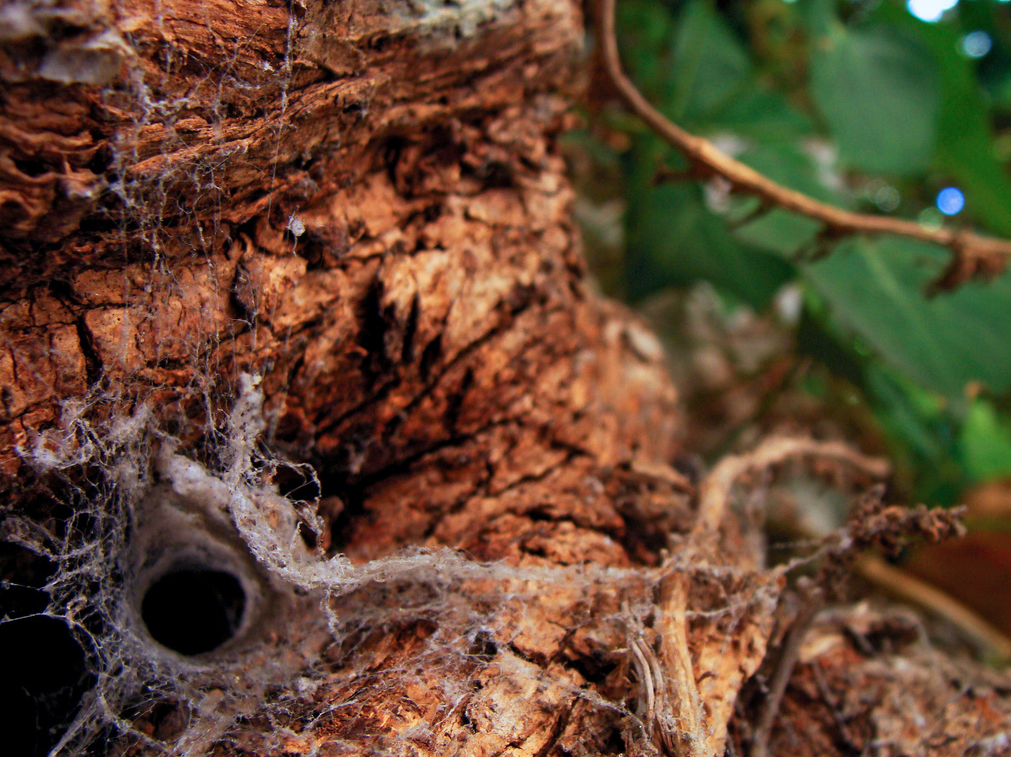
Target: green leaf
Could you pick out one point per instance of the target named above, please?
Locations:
(699, 74)
(819, 16)
(763, 115)
(674, 239)
(965, 148)
(877, 90)
(790, 166)
(645, 30)
(710, 66)
(985, 442)
(876, 289)
(922, 430)
(779, 232)
(904, 417)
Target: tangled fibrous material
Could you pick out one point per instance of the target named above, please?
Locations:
(148, 514)
(160, 517)
(297, 644)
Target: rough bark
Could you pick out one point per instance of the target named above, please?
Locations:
(363, 204)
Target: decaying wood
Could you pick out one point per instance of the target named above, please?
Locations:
(363, 204)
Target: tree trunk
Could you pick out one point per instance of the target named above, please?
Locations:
(286, 282)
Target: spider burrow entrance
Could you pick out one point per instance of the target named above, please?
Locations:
(193, 609)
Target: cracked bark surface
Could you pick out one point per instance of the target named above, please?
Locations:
(364, 203)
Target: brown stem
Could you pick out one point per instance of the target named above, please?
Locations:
(789, 653)
(714, 491)
(907, 587)
(973, 255)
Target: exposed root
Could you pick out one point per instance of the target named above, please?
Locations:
(690, 675)
(789, 653)
(713, 623)
(680, 731)
(715, 489)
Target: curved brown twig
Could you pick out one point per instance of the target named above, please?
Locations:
(973, 255)
(715, 490)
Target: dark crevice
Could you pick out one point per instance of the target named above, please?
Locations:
(295, 483)
(44, 678)
(378, 395)
(92, 362)
(241, 296)
(539, 515)
(355, 493)
(538, 660)
(492, 175)
(455, 402)
(467, 351)
(557, 728)
(540, 552)
(410, 330)
(421, 396)
(341, 527)
(391, 152)
(372, 334)
(323, 248)
(594, 669)
(429, 356)
(275, 431)
(32, 168)
(340, 473)
(61, 290)
(173, 363)
(483, 647)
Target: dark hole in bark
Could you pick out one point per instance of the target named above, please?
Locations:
(31, 168)
(12, 212)
(43, 667)
(41, 684)
(193, 610)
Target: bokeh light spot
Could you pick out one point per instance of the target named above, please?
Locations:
(887, 198)
(883, 195)
(930, 10)
(976, 44)
(950, 201)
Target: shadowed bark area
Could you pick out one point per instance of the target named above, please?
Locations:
(363, 204)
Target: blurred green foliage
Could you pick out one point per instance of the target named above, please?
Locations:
(863, 105)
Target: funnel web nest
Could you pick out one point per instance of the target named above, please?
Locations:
(144, 512)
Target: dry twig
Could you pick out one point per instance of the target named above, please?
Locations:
(681, 719)
(905, 586)
(714, 494)
(789, 653)
(973, 255)
(715, 489)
